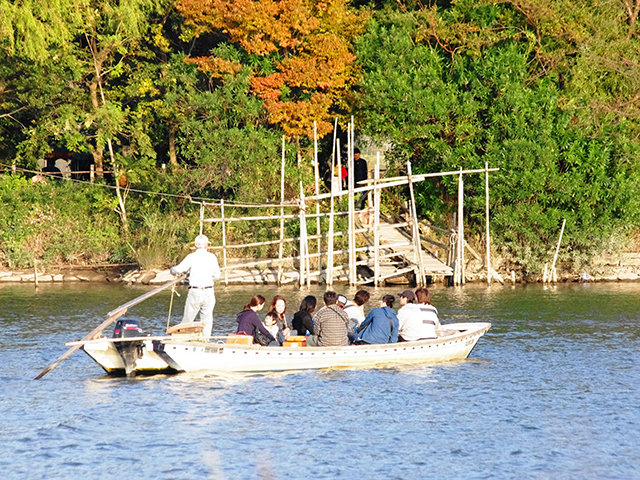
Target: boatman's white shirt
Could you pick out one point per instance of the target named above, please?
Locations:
(203, 267)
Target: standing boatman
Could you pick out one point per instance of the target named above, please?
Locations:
(203, 268)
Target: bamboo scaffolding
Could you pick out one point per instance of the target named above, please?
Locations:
(376, 185)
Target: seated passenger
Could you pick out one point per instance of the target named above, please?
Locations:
(330, 324)
(381, 325)
(271, 324)
(302, 320)
(355, 309)
(417, 321)
(279, 305)
(249, 323)
(428, 311)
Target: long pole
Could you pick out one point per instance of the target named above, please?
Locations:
(303, 237)
(555, 257)
(460, 246)
(281, 247)
(329, 272)
(112, 316)
(376, 223)
(486, 195)
(416, 229)
(224, 243)
(352, 236)
(201, 217)
(316, 172)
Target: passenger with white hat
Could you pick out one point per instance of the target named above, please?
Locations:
(203, 268)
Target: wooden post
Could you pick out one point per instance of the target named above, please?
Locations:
(14, 169)
(35, 272)
(224, 243)
(417, 245)
(304, 253)
(202, 217)
(352, 216)
(555, 257)
(486, 194)
(316, 172)
(281, 247)
(376, 224)
(339, 165)
(92, 173)
(460, 248)
(329, 271)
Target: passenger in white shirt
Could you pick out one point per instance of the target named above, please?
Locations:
(203, 268)
(355, 309)
(417, 321)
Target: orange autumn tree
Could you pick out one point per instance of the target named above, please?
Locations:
(299, 52)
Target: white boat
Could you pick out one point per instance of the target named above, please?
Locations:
(185, 351)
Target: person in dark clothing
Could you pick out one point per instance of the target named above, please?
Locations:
(51, 170)
(360, 173)
(248, 321)
(302, 320)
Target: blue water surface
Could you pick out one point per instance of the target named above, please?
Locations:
(551, 391)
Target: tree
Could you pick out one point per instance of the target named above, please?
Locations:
(299, 52)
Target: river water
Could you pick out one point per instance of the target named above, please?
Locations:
(551, 391)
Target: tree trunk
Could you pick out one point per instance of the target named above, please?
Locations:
(98, 156)
(173, 158)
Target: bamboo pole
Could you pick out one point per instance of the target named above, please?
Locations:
(376, 223)
(281, 247)
(304, 247)
(352, 241)
(329, 272)
(224, 243)
(397, 181)
(339, 162)
(202, 217)
(459, 247)
(316, 172)
(417, 245)
(555, 257)
(486, 194)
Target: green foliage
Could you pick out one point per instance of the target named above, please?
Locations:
(491, 102)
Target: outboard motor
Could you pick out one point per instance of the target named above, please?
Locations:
(129, 351)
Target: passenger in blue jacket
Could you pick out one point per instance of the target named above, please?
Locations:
(381, 325)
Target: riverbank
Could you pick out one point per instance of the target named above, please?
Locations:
(624, 267)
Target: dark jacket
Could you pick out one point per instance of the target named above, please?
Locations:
(248, 322)
(302, 321)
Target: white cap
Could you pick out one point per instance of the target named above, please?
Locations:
(201, 241)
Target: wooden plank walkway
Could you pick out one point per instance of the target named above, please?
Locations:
(400, 256)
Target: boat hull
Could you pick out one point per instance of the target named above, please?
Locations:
(171, 355)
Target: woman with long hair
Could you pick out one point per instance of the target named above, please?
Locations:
(248, 321)
(279, 306)
(302, 319)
